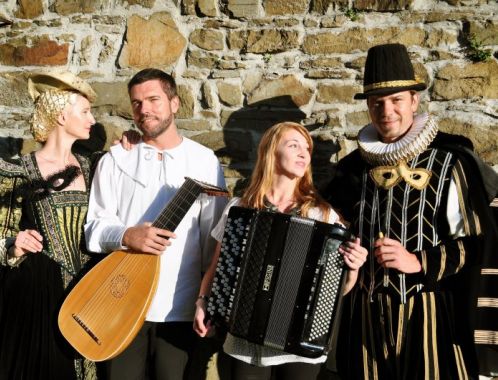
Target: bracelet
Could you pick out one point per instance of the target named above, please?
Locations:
(203, 297)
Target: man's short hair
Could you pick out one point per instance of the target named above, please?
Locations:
(168, 83)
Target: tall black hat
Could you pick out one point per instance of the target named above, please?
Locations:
(388, 69)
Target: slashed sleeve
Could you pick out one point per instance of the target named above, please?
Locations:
(454, 250)
(12, 181)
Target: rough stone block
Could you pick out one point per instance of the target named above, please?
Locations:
(225, 74)
(320, 63)
(237, 39)
(334, 22)
(193, 124)
(201, 59)
(29, 8)
(333, 93)
(469, 81)
(271, 40)
(153, 42)
(208, 7)
(441, 37)
(143, 3)
(285, 7)
(484, 137)
(286, 90)
(208, 100)
(345, 42)
(327, 74)
(113, 97)
(213, 140)
(188, 7)
(14, 90)
(66, 7)
(187, 102)
(382, 5)
(229, 93)
(361, 39)
(486, 32)
(244, 8)
(208, 39)
(357, 118)
(286, 22)
(43, 52)
(323, 6)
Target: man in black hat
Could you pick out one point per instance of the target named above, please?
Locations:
(411, 198)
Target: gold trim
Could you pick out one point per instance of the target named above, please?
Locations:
(485, 337)
(487, 302)
(489, 271)
(442, 262)
(390, 84)
(461, 248)
(460, 364)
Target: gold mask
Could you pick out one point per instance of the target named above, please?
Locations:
(388, 176)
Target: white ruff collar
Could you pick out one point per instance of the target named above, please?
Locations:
(414, 142)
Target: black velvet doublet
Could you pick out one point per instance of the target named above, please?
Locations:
(403, 326)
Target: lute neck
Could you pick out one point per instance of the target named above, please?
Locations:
(178, 206)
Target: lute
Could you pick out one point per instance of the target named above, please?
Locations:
(107, 307)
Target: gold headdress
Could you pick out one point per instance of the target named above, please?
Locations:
(51, 93)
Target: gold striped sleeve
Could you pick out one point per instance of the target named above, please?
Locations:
(442, 266)
(486, 337)
(489, 271)
(487, 302)
(470, 219)
(462, 372)
(423, 256)
(461, 249)
(431, 367)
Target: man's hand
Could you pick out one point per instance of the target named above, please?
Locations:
(128, 139)
(391, 254)
(147, 239)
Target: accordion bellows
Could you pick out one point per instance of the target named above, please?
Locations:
(279, 280)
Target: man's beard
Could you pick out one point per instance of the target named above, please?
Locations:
(162, 126)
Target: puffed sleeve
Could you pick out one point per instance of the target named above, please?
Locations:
(450, 255)
(12, 180)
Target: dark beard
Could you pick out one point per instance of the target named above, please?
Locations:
(158, 130)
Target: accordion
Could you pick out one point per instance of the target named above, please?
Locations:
(279, 280)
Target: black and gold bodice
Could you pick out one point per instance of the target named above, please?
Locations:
(30, 202)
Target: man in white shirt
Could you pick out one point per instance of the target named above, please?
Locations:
(129, 190)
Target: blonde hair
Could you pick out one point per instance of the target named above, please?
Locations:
(305, 192)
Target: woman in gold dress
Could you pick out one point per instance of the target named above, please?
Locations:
(43, 204)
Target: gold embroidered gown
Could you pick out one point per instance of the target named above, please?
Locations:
(31, 346)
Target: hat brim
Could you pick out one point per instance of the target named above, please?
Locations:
(390, 90)
(41, 82)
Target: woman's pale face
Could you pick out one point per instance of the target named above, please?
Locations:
(292, 154)
(78, 118)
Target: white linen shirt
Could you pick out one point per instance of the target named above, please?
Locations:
(253, 353)
(132, 187)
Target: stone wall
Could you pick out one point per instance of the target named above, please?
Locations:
(242, 65)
